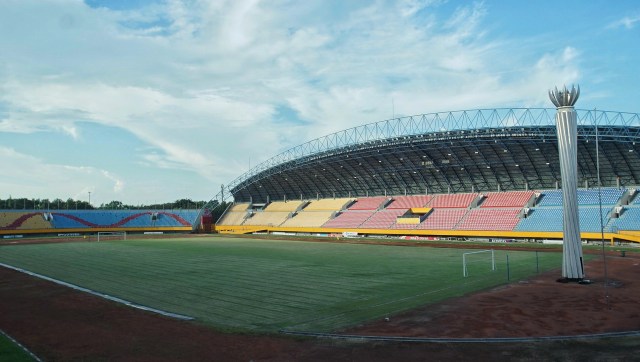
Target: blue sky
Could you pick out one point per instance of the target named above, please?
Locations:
(153, 101)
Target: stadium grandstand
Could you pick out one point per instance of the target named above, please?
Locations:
(488, 173)
(18, 222)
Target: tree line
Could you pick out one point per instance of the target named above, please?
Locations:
(71, 204)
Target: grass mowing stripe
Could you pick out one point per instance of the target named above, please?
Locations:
(264, 285)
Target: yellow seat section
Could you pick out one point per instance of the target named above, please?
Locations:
(267, 218)
(233, 218)
(328, 204)
(289, 206)
(235, 215)
(309, 219)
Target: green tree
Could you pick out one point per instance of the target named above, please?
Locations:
(217, 211)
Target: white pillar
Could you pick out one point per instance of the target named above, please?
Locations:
(567, 131)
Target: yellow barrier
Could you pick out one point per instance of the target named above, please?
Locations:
(412, 220)
(93, 230)
(420, 210)
(497, 234)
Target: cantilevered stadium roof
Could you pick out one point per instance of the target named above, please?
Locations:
(462, 151)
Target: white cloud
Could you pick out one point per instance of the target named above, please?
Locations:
(118, 184)
(408, 8)
(38, 179)
(200, 82)
(628, 22)
(161, 120)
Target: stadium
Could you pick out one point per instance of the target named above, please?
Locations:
(479, 173)
(487, 173)
(361, 235)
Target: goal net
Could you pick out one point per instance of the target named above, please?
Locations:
(112, 235)
(482, 260)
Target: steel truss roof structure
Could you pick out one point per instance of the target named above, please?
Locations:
(464, 151)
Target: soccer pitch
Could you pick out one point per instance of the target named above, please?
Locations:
(244, 284)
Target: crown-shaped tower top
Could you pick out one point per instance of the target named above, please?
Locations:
(564, 97)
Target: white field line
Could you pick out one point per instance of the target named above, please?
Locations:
(101, 295)
(31, 354)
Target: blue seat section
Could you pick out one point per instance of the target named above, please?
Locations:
(168, 218)
(549, 198)
(65, 219)
(541, 219)
(610, 196)
(628, 220)
(550, 219)
(61, 221)
(591, 220)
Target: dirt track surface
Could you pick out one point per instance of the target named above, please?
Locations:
(58, 323)
(532, 308)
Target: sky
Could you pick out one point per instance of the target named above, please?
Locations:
(146, 101)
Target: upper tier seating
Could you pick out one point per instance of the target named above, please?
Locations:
(328, 204)
(349, 219)
(407, 202)
(239, 207)
(288, 206)
(610, 196)
(490, 219)
(368, 203)
(453, 200)
(507, 199)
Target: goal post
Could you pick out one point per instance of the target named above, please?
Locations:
(112, 235)
(466, 261)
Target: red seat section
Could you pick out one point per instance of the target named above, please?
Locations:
(368, 203)
(507, 199)
(349, 219)
(383, 219)
(407, 202)
(445, 218)
(454, 200)
(490, 219)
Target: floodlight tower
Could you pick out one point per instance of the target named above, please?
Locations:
(567, 131)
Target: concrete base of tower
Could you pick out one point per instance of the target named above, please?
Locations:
(574, 280)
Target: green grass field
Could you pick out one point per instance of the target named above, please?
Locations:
(244, 284)
(9, 351)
